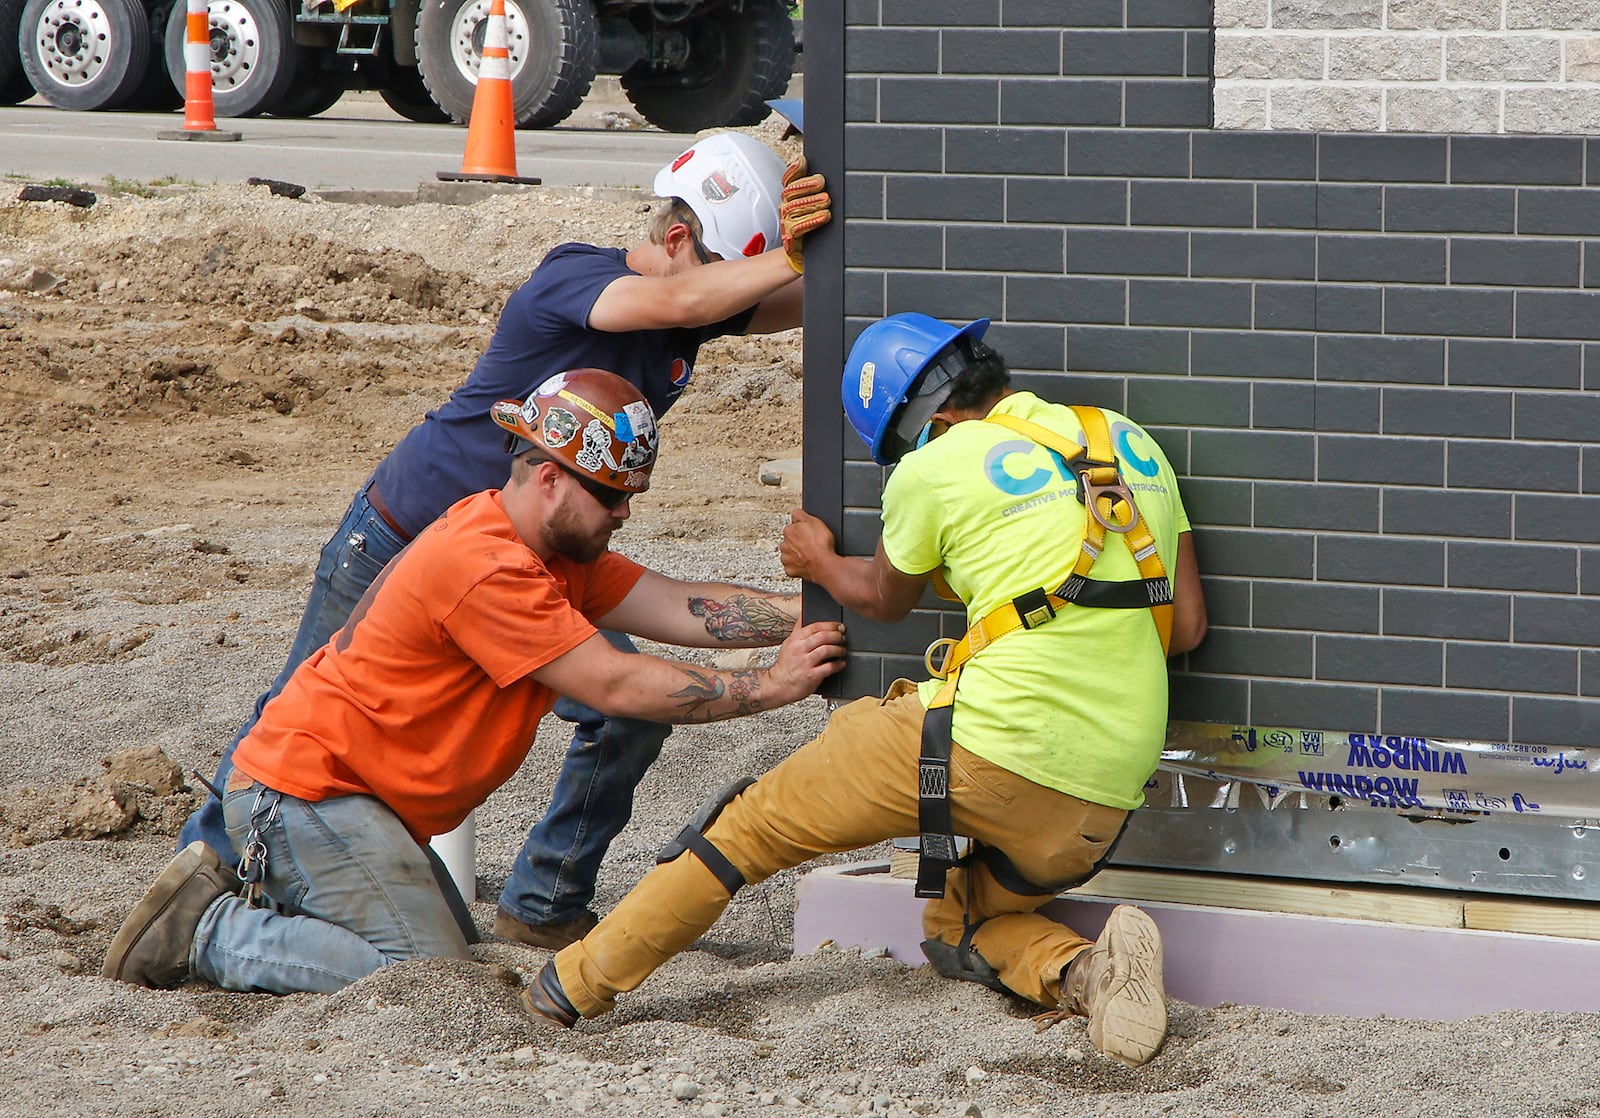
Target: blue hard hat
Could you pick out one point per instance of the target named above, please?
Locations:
(882, 372)
(791, 109)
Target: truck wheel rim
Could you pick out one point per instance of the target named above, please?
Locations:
(467, 31)
(235, 45)
(72, 40)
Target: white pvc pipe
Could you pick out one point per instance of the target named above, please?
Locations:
(458, 851)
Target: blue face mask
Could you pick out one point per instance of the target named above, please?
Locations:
(927, 433)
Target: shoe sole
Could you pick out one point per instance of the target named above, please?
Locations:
(1130, 1021)
(185, 866)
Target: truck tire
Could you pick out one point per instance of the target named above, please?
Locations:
(406, 95)
(252, 53)
(84, 54)
(320, 75)
(554, 47)
(15, 88)
(155, 93)
(735, 62)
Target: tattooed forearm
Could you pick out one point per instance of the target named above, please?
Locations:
(701, 699)
(743, 618)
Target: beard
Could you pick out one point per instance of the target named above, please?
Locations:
(567, 537)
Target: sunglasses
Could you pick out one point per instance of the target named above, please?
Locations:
(700, 251)
(610, 499)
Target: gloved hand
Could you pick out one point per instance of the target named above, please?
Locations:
(803, 207)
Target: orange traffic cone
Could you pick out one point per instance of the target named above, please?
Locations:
(199, 110)
(491, 130)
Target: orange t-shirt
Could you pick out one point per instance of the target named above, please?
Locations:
(424, 699)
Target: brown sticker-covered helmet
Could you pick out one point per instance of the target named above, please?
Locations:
(590, 421)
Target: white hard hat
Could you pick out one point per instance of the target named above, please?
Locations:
(732, 183)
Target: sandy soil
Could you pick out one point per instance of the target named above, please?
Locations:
(192, 387)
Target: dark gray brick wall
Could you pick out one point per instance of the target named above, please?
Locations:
(1376, 358)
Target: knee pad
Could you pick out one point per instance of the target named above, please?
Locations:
(692, 838)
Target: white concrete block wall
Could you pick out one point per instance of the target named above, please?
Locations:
(1408, 65)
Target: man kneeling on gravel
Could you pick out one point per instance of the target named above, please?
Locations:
(427, 699)
(1022, 509)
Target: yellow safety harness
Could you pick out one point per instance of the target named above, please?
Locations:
(1109, 507)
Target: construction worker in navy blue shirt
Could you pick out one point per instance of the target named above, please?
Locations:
(718, 259)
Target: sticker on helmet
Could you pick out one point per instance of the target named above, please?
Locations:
(681, 372)
(559, 427)
(864, 385)
(642, 421)
(596, 452)
(717, 188)
(530, 411)
(623, 428)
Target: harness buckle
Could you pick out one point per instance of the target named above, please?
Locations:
(1033, 608)
(942, 648)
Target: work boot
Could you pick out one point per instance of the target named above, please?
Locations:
(152, 946)
(1116, 983)
(543, 999)
(551, 936)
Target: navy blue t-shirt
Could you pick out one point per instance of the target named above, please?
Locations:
(543, 330)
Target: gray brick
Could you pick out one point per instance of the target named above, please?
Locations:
(1066, 299)
(1030, 347)
(1127, 350)
(1174, 443)
(1380, 460)
(1293, 406)
(1588, 672)
(1316, 606)
(1380, 560)
(1380, 259)
(1542, 467)
(1063, 13)
(863, 196)
(1121, 53)
(1254, 652)
(939, 100)
(1186, 402)
(1589, 570)
(1062, 102)
(1253, 354)
(1253, 454)
(1456, 311)
(1590, 470)
(1251, 554)
(1349, 207)
(869, 50)
(1558, 314)
(1255, 155)
(1254, 255)
(1561, 213)
(1285, 306)
(1130, 252)
(862, 675)
(1201, 698)
(861, 13)
(1349, 308)
(1067, 201)
(1211, 501)
(943, 13)
(1285, 205)
(1192, 204)
(1434, 512)
(1506, 263)
(879, 147)
(1498, 667)
(1557, 519)
(944, 197)
(1557, 416)
(892, 244)
(863, 293)
(1382, 158)
(1513, 364)
(1392, 360)
(950, 295)
(1137, 154)
(859, 531)
(1019, 151)
(1349, 409)
(1188, 303)
(860, 99)
(1442, 411)
(1591, 264)
(1449, 209)
(1016, 52)
(1446, 714)
(1169, 13)
(919, 629)
(1552, 160)
(1506, 566)
(1228, 599)
(1380, 660)
(1167, 104)
(1455, 614)
(863, 484)
(1348, 508)
(1197, 55)
(1555, 721)
(1017, 248)
(1101, 392)
(1317, 705)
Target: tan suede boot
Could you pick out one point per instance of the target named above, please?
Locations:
(1116, 983)
(152, 946)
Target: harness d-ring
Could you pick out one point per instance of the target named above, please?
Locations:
(943, 646)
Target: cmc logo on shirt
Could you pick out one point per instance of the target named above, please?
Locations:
(1020, 466)
(681, 372)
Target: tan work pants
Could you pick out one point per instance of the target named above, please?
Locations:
(855, 784)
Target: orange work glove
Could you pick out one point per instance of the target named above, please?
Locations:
(803, 207)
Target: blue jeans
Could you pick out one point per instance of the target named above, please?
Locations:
(352, 892)
(552, 880)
